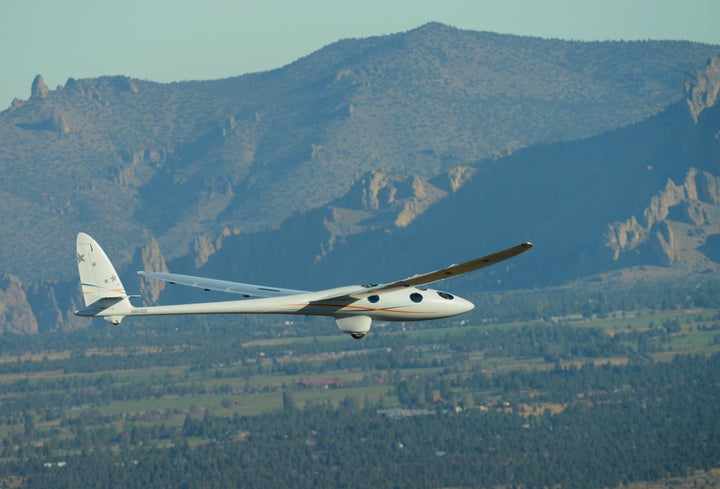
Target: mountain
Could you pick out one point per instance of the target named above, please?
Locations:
(361, 159)
(644, 197)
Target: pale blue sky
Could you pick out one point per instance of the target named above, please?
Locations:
(172, 40)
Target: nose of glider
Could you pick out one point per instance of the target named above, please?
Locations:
(462, 305)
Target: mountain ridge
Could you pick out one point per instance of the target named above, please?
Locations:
(363, 141)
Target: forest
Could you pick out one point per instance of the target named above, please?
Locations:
(597, 398)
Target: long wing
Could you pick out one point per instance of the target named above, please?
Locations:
(247, 290)
(253, 290)
(452, 270)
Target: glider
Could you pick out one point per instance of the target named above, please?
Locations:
(353, 306)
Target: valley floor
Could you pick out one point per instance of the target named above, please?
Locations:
(170, 393)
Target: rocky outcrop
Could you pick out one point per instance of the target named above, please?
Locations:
(205, 246)
(400, 198)
(459, 176)
(379, 200)
(423, 195)
(405, 196)
(693, 204)
(139, 165)
(150, 257)
(38, 88)
(16, 314)
(702, 88)
(376, 190)
(709, 188)
(73, 85)
(664, 243)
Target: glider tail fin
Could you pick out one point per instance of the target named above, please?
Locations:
(102, 289)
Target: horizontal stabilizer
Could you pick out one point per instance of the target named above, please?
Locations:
(99, 306)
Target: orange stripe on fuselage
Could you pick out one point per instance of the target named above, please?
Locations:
(363, 308)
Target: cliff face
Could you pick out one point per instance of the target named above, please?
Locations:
(378, 200)
(16, 315)
(678, 220)
(149, 257)
(681, 216)
(702, 88)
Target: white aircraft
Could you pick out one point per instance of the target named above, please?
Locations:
(353, 306)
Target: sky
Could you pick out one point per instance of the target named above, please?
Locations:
(175, 40)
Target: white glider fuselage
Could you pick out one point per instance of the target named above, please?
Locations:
(407, 304)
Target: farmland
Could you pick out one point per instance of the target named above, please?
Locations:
(155, 388)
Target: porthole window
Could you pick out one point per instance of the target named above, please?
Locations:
(373, 298)
(445, 295)
(415, 297)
